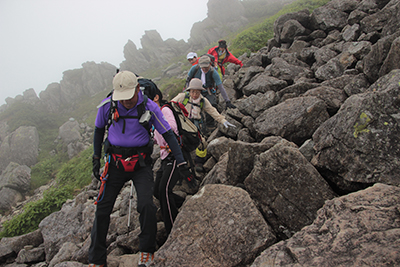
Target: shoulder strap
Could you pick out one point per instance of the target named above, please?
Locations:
(186, 100)
(114, 115)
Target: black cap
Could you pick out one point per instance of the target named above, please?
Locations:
(222, 43)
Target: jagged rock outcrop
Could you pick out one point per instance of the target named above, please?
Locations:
(75, 136)
(311, 164)
(21, 146)
(61, 97)
(4, 130)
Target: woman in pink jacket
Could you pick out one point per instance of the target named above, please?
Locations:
(168, 174)
(222, 55)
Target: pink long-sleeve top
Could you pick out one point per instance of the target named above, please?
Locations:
(169, 116)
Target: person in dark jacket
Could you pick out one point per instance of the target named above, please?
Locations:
(222, 56)
(128, 148)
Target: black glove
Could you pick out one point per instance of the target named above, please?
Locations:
(96, 167)
(229, 104)
(187, 175)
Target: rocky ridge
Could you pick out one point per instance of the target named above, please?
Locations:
(308, 177)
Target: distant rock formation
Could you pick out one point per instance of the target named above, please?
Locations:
(21, 146)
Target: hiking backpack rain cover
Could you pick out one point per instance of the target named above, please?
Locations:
(190, 137)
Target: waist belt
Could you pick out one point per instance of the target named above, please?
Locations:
(126, 152)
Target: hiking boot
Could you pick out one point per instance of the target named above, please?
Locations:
(199, 167)
(145, 259)
(97, 265)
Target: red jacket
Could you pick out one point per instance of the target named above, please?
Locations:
(228, 58)
(196, 62)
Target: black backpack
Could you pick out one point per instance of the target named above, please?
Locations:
(149, 88)
(189, 135)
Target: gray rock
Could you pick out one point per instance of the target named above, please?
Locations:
(360, 229)
(218, 175)
(223, 208)
(31, 255)
(21, 146)
(327, 19)
(282, 70)
(349, 143)
(257, 103)
(65, 253)
(392, 60)
(263, 83)
(274, 184)
(69, 131)
(332, 97)
(295, 119)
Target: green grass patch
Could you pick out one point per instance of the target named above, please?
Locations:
(256, 37)
(73, 175)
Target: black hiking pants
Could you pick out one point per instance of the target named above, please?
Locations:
(210, 122)
(166, 178)
(144, 185)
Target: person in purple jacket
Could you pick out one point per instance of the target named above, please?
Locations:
(128, 147)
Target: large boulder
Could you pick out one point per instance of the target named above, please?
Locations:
(359, 229)
(202, 232)
(287, 188)
(296, 119)
(14, 184)
(360, 144)
(21, 146)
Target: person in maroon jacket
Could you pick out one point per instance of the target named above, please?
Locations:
(222, 55)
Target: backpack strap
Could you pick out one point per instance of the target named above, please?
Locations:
(186, 101)
(114, 115)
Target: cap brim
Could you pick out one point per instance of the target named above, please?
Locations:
(128, 94)
(188, 89)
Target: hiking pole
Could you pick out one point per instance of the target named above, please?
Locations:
(130, 206)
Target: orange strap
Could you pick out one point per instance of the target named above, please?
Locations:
(166, 148)
(103, 179)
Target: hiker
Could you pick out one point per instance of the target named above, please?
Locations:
(167, 175)
(210, 81)
(221, 53)
(128, 148)
(195, 103)
(192, 58)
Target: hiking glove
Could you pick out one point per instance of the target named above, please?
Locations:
(96, 167)
(229, 104)
(227, 124)
(187, 175)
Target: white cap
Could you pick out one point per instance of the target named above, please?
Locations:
(191, 55)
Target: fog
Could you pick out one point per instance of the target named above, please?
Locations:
(40, 39)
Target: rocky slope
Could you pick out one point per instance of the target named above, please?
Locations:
(309, 176)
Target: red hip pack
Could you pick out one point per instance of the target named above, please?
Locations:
(126, 164)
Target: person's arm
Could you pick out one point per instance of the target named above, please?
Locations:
(179, 97)
(170, 138)
(190, 75)
(169, 116)
(232, 59)
(219, 85)
(98, 137)
(213, 112)
(183, 167)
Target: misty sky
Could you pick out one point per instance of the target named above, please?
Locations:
(40, 39)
